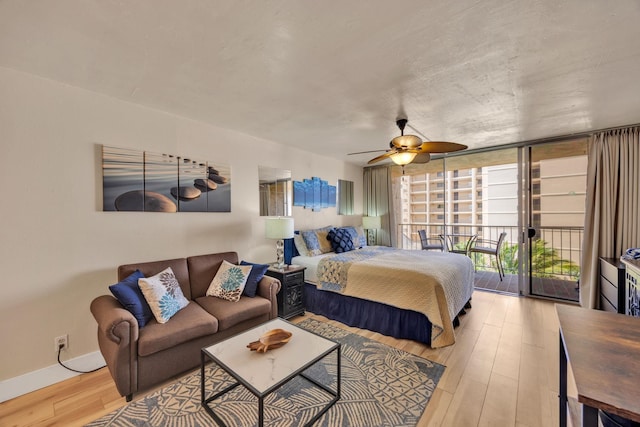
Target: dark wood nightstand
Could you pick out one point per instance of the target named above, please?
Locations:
(291, 296)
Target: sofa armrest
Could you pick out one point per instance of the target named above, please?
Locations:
(268, 287)
(111, 318)
(118, 341)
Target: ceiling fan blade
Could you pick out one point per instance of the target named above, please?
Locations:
(422, 158)
(382, 157)
(441, 147)
(364, 152)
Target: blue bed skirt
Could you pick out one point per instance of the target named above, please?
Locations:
(374, 316)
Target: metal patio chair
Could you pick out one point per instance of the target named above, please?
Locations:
(490, 247)
(430, 243)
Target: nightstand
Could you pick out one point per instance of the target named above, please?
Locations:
(291, 295)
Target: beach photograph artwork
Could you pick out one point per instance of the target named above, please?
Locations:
(135, 180)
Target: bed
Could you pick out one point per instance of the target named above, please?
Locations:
(402, 293)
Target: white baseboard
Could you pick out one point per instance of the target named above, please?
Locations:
(23, 384)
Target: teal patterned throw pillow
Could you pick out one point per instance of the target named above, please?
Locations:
(163, 294)
(229, 281)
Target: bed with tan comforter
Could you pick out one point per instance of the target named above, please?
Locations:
(435, 284)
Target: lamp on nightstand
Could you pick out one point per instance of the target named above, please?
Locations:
(279, 228)
(371, 223)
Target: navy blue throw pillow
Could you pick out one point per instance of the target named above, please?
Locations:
(257, 272)
(341, 240)
(128, 293)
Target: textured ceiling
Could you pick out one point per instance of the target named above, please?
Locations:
(331, 76)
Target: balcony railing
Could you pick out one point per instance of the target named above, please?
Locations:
(555, 251)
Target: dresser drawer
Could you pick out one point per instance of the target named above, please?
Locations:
(609, 271)
(609, 291)
(294, 278)
(606, 305)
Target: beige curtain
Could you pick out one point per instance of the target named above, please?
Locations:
(377, 191)
(612, 219)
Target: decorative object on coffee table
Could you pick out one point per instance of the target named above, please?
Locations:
(270, 340)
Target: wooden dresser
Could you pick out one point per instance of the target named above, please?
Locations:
(612, 289)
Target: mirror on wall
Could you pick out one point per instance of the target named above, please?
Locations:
(345, 197)
(276, 191)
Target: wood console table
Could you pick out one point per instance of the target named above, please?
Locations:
(603, 350)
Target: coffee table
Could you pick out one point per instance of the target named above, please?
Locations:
(263, 373)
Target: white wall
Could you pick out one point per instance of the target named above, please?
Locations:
(59, 250)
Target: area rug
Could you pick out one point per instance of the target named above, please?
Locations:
(381, 386)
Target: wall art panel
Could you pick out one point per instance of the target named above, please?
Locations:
(314, 194)
(153, 182)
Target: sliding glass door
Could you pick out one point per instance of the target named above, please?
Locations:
(555, 217)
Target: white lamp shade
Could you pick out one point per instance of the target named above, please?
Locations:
(279, 228)
(403, 158)
(371, 222)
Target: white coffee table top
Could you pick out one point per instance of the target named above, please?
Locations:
(265, 370)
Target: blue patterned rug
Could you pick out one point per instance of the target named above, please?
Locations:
(381, 386)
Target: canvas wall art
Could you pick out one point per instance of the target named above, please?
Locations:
(134, 180)
(314, 194)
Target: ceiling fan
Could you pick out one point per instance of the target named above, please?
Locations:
(405, 149)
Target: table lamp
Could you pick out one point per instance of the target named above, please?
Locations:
(371, 223)
(279, 228)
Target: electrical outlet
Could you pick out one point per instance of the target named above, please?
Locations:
(62, 340)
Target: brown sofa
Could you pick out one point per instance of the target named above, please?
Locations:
(140, 358)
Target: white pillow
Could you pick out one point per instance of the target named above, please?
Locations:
(362, 237)
(163, 294)
(229, 281)
(301, 246)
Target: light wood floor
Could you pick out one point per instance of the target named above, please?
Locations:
(502, 371)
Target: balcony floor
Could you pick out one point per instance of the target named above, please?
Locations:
(551, 288)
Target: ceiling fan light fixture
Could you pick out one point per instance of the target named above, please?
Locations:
(403, 158)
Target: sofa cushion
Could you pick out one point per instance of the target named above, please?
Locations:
(202, 269)
(229, 281)
(178, 265)
(163, 294)
(257, 273)
(189, 323)
(128, 293)
(231, 313)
